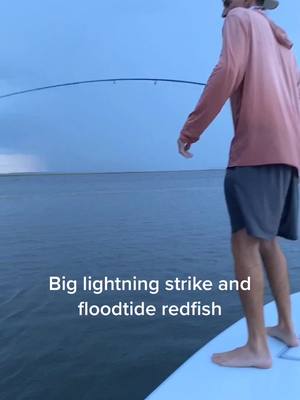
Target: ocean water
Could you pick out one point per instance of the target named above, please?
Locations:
(154, 226)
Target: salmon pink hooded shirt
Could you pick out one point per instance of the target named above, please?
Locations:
(258, 72)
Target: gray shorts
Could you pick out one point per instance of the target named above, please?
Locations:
(264, 199)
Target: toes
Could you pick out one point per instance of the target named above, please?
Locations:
(216, 358)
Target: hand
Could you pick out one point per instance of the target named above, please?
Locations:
(183, 147)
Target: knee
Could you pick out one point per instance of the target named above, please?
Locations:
(267, 246)
(241, 241)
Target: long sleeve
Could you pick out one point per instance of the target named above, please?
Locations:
(298, 83)
(224, 80)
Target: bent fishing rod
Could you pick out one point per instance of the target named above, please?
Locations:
(114, 80)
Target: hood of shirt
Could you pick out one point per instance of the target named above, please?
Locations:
(280, 35)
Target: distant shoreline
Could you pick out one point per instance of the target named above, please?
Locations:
(89, 173)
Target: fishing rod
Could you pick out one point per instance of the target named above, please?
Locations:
(114, 80)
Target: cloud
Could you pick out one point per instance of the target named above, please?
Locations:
(13, 162)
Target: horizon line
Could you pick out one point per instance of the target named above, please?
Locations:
(104, 172)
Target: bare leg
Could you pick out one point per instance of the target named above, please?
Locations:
(277, 272)
(248, 262)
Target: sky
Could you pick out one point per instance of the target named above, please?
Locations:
(106, 127)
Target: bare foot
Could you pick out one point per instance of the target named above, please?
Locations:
(243, 357)
(285, 335)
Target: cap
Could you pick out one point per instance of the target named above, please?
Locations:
(270, 4)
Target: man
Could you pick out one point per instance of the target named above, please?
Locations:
(258, 72)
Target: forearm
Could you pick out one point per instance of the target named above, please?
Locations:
(219, 88)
